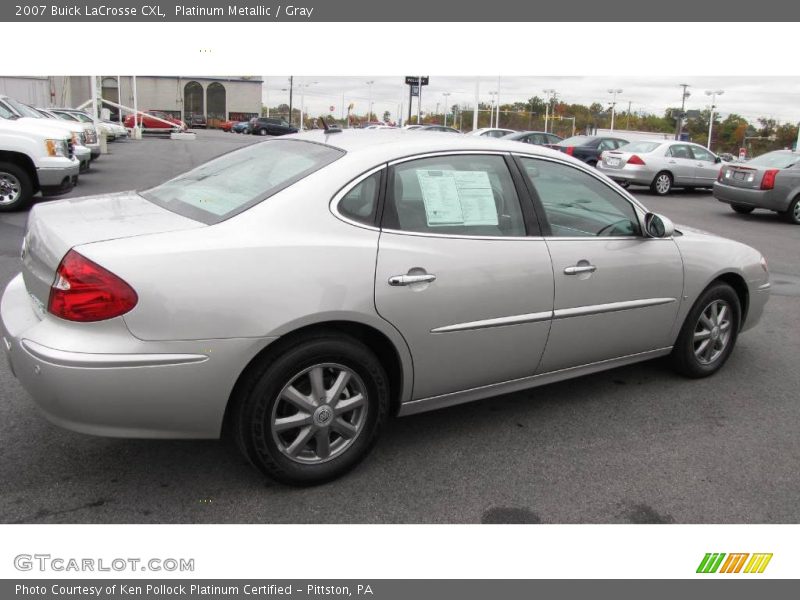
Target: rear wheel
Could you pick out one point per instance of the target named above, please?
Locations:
(311, 413)
(262, 131)
(16, 189)
(709, 332)
(742, 209)
(792, 215)
(662, 184)
(624, 184)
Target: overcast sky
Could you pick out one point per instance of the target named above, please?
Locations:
(751, 97)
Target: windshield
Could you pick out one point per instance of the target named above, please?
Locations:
(642, 147)
(64, 116)
(238, 180)
(25, 111)
(578, 140)
(775, 160)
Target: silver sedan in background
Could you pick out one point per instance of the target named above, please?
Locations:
(661, 165)
(770, 181)
(300, 291)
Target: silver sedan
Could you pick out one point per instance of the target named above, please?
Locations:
(770, 181)
(661, 166)
(301, 291)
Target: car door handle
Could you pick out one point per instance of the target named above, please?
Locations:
(672, 162)
(577, 270)
(397, 280)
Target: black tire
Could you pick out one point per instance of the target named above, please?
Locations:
(624, 184)
(662, 183)
(742, 209)
(255, 406)
(592, 163)
(684, 357)
(16, 187)
(792, 215)
(262, 131)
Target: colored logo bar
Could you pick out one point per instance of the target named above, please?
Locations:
(714, 562)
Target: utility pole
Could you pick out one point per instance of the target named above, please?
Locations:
(713, 94)
(628, 119)
(477, 104)
(552, 93)
(419, 101)
(614, 105)
(446, 94)
(369, 101)
(679, 126)
(291, 91)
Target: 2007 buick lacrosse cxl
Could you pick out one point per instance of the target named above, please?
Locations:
(303, 290)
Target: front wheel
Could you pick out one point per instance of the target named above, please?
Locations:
(742, 209)
(662, 184)
(709, 332)
(313, 412)
(16, 189)
(792, 215)
(262, 131)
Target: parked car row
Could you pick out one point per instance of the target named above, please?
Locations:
(45, 149)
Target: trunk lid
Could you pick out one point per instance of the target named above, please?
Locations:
(742, 176)
(56, 227)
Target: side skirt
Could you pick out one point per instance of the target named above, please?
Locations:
(516, 385)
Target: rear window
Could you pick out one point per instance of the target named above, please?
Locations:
(238, 180)
(577, 140)
(775, 160)
(642, 147)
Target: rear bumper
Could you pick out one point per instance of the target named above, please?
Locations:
(97, 378)
(749, 197)
(635, 174)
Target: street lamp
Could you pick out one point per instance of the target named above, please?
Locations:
(303, 87)
(713, 94)
(684, 96)
(491, 109)
(552, 93)
(369, 102)
(614, 105)
(445, 94)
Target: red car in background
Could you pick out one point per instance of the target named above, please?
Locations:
(148, 122)
(227, 125)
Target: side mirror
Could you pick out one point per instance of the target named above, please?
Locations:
(658, 226)
(718, 160)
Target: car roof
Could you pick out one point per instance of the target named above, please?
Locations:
(389, 144)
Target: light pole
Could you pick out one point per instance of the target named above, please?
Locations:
(713, 94)
(614, 91)
(552, 94)
(491, 109)
(303, 87)
(445, 94)
(369, 102)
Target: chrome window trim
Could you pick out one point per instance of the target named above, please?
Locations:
(338, 196)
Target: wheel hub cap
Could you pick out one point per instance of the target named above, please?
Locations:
(319, 413)
(712, 333)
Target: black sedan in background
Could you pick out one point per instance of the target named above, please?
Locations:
(537, 138)
(270, 126)
(588, 148)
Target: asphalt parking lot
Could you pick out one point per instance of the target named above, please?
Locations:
(637, 444)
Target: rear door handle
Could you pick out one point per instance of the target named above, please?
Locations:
(397, 280)
(577, 270)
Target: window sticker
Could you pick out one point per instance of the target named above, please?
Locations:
(457, 197)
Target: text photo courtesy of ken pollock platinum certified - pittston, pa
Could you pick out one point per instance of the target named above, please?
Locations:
(561, 300)
(277, 11)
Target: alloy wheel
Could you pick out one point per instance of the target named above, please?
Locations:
(712, 333)
(663, 183)
(10, 188)
(319, 413)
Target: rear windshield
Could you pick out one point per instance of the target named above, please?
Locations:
(642, 147)
(577, 140)
(238, 180)
(775, 160)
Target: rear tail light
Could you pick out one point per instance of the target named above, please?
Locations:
(635, 160)
(84, 291)
(570, 150)
(721, 174)
(768, 181)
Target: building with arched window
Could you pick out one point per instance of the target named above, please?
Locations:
(209, 99)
